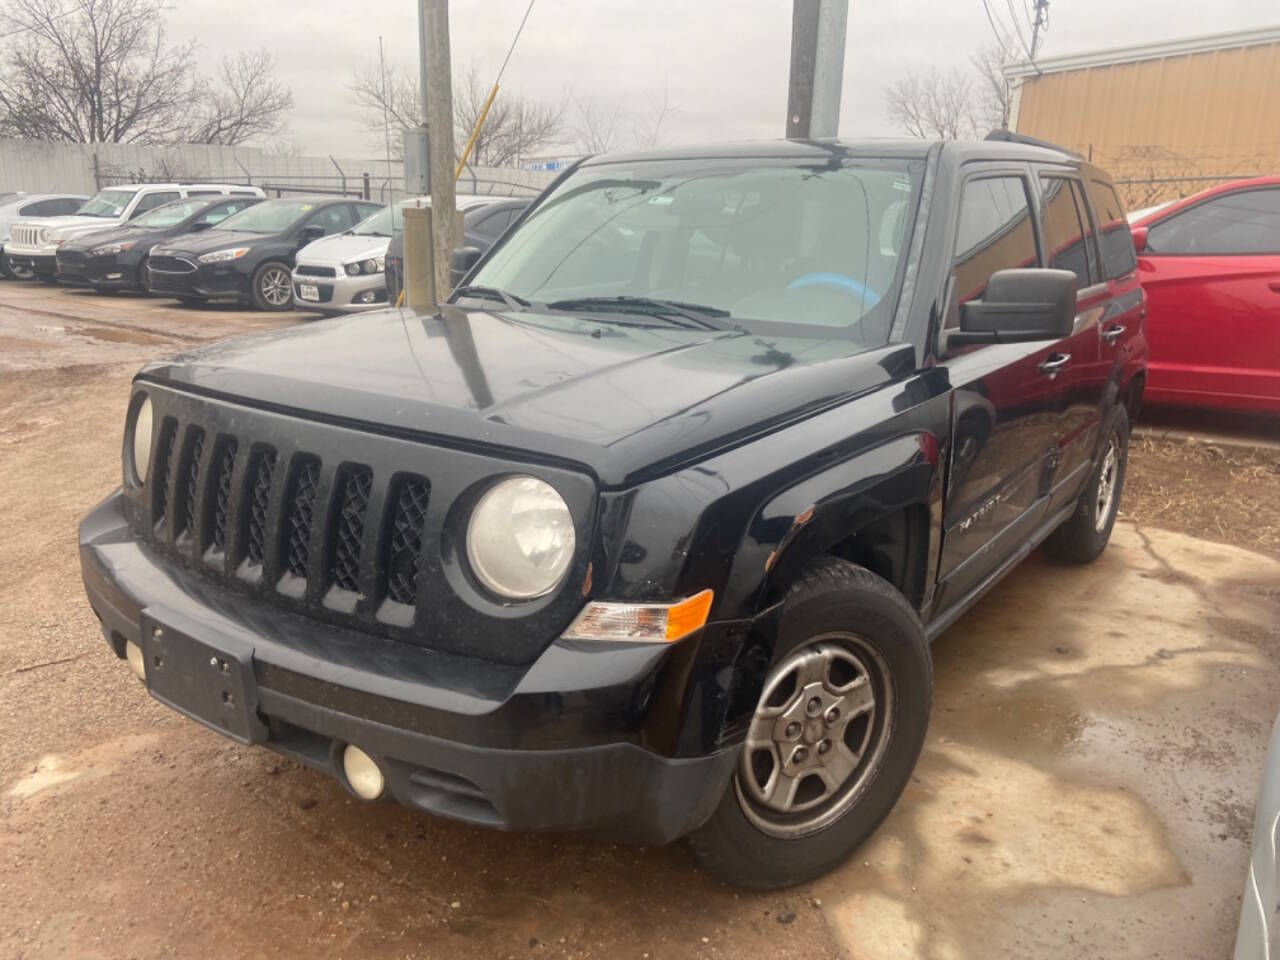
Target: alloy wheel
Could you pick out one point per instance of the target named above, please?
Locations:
(1106, 486)
(276, 287)
(817, 736)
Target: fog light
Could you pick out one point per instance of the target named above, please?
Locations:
(366, 297)
(362, 773)
(133, 653)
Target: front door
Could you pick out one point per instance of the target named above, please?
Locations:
(1002, 426)
(1212, 275)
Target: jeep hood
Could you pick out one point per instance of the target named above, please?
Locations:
(69, 226)
(623, 401)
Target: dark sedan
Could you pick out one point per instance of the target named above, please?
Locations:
(249, 256)
(116, 259)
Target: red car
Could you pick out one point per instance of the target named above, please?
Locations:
(1210, 265)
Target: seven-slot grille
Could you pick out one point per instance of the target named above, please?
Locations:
(284, 526)
(25, 236)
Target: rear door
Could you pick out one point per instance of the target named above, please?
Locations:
(1076, 391)
(1002, 424)
(1212, 273)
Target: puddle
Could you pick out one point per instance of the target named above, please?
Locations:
(119, 335)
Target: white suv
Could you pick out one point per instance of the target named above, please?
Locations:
(33, 243)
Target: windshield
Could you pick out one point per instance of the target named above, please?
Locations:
(379, 225)
(171, 214)
(270, 216)
(800, 243)
(106, 203)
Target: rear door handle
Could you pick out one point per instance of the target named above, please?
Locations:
(1055, 362)
(1113, 332)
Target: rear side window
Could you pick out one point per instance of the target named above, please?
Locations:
(1066, 228)
(1243, 222)
(153, 200)
(1118, 257)
(995, 233)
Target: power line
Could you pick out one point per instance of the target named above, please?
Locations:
(28, 28)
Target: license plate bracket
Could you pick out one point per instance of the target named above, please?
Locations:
(212, 683)
(308, 291)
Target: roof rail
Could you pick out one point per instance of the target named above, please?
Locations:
(1008, 136)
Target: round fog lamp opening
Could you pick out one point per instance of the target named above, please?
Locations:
(142, 427)
(520, 539)
(133, 654)
(362, 773)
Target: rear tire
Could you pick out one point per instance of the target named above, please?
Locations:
(1084, 535)
(843, 629)
(273, 287)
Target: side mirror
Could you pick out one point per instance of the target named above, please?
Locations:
(309, 234)
(460, 263)
(201, 225)
(1020, 306)
(1139, 238)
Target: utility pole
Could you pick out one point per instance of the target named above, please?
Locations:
(817, 68)
(439, 97)
(1038, 26)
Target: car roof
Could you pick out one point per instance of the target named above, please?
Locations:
(1168, 209)
(135, 187)
(870, 147)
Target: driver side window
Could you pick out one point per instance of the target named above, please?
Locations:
(995, 232)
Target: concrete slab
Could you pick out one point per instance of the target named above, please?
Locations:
(1087, 787)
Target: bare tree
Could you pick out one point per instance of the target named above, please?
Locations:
(598, 123)
(249, 105)
(933, 105)
(657, 111)
(992, 93)
(94, 71)
(515, 127)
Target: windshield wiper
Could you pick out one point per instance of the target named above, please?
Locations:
(493, 293)
(709, 318)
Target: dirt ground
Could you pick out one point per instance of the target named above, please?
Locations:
(1086, 789)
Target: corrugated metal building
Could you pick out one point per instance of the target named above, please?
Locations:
(1168, 118)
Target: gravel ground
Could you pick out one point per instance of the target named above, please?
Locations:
(1086, 789)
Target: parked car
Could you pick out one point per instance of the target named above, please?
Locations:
(648, 529)
(34, 243)
(22, 206)
(117, 259)
(484, 218)
(344, 273)
(1258, 933)
(1211, 267)
(249, 256)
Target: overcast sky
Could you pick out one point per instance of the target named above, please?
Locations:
(724, 61)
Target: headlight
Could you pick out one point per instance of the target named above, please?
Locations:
(352, 269)
(142, 440)
(44, 235)
(222, 256)
(520, 538)
(372, 266)
(111, 248)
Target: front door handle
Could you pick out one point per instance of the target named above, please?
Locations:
(1113, 332)
(1054, 363)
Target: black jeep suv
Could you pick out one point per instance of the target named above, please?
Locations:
(648, 529)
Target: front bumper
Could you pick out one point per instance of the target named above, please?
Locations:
(581, 738)
(103, 270)
(341, 294)
(43, 265)
(195, 279)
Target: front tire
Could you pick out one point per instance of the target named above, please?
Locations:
(272, 287)
(834, 738)
(1084, 535)
(15, 272)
